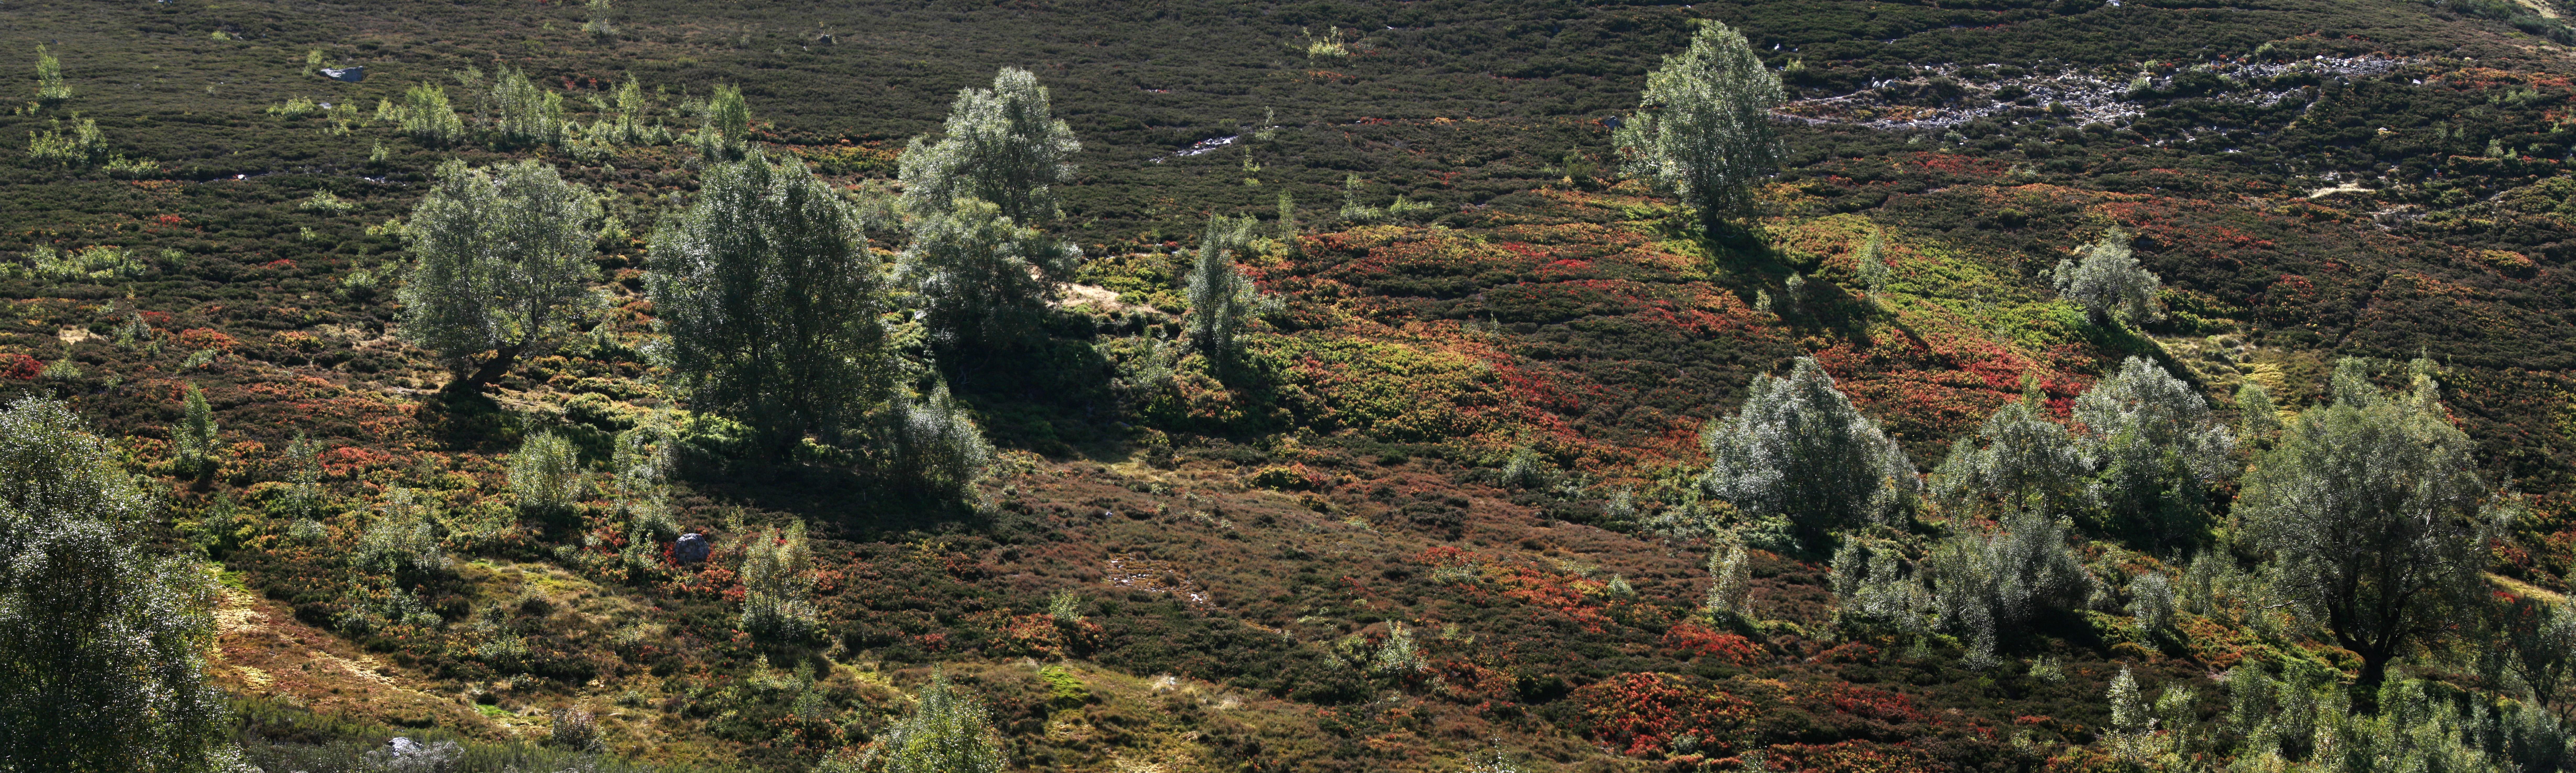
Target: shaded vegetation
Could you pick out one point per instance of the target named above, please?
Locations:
(1393, 485)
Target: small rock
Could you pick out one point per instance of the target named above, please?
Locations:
(403, 755)
(691, 549)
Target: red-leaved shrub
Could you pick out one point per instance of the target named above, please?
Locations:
(1642, 714)
(1695, 640)
(20, 366)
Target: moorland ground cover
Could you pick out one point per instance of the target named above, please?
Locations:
(1441, 491)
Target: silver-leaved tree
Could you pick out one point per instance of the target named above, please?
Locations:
(1002, 145)
(102, 644)
(768, 299)
(1703, 129)
(1222, 298)
(978, 199)
(2108, 282)
(2162, 453)
(1798, 450)
(501, 266)
(2367, 513)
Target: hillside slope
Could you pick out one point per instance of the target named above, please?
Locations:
(1446, 502)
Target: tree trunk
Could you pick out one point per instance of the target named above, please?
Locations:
(491, 369)
(2365, 688)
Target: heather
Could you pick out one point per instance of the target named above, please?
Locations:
(1309, 386)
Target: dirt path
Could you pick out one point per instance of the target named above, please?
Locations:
(261, 649)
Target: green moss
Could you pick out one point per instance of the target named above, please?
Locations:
(1064, 689)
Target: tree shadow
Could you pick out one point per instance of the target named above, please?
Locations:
(1048, 392)
(2124, 340)
(853, 503)
(1829, 308)
(470, 421)
(1732, 238)
(1728, 244)
(2064, 627)
(1751, 263)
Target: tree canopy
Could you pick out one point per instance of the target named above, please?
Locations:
(49, 77)
(2368, 513)
(522, 113)
(1001, 145)
(768, 297)
(1984, 580)
(195, 439)
(425, 114)
(2107, 281)
(501, 265)
(983, 278)
(545, 474)
(1704, 127)
(948, 731)
(778, 584)
(935, 445)
(727, 130)
(2018, 461)
(1799, 450)
(978, 198)
(102, 646)
(1222, 298)
(2161, 450)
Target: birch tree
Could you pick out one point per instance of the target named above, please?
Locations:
(2107, 281)
(501, 266)
(1703, 128)
(102, 645)
(1799, 450)
(948, 731)
(767, 296)
(2018, 461)
(1001, 145)
(2367, 513)
(1222, 298)
(984, 279)
(2162, 451)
